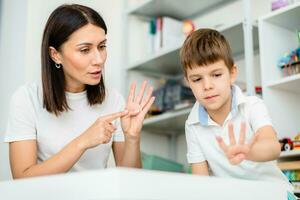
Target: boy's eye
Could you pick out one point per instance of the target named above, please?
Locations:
(196, 80)
(217, 75)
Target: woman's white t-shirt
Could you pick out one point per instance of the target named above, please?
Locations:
(28, 120)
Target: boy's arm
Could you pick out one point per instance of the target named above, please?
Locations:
(266, 146)
(200, 168)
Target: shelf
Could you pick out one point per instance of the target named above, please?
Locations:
(167, 61)
(172, 122)
(287, 17)
(175, 8)
(289, 83)
(234, 33)
(290, 165)
(289, 154)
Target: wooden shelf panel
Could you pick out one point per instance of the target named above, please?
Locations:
(290, 165)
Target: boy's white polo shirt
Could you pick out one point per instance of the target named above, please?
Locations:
(201, 132)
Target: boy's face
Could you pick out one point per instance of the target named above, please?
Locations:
(211, 84)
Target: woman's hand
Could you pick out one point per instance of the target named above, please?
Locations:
(100, 132)
(137, 107)
(236, 152)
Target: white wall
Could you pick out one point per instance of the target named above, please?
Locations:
(12, 59)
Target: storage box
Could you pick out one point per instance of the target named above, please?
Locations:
(157, 163)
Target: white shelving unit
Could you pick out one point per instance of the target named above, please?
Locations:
(174, 8)
(167, 63)
(171, 123)
(277, 34)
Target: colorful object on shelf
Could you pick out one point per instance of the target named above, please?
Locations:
(276, 4)
(188, 27)
(296, 142)
(289, 63)
(258, 90)
(298, 33)
(173, 94)
(292, 175)
(286, 144)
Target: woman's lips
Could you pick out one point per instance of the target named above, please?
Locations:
(95, 74)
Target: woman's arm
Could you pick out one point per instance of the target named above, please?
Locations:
(23, 159)
(128, 153)
(23, 154)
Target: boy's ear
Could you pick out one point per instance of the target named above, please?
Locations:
(54, 54)
(233, 74)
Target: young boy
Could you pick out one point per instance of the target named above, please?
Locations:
(228, 134)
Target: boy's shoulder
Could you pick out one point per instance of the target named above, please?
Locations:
(194, 114)
(251, 101)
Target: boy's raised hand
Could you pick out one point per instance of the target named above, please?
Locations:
(236, 152)
(137, 107)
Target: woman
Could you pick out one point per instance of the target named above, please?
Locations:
(71, 121)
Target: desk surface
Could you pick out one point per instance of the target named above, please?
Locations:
(137, 184)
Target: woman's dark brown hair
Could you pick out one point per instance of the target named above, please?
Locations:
(63, 21)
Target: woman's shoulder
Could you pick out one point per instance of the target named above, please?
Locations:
(114, 94)
(29, 91)
(114, 99)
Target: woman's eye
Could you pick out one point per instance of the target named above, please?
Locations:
(84, 50)
(102, 47)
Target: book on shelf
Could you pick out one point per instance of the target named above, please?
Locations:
(164, 33)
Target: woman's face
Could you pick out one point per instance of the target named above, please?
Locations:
(82, 57)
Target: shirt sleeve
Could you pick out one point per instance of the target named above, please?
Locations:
(194, 151)
(21, 121)
(259, 115)
(118, 135)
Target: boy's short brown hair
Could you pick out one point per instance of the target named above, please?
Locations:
(203, 47)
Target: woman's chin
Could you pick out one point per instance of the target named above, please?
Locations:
(93, 81)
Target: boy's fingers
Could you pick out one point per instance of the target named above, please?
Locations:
(231, 134)
(237, 159)
(221, 143)
(114, 116)
(242, 133)
(140, 95)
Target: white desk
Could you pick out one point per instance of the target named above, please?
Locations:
(134, 184)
